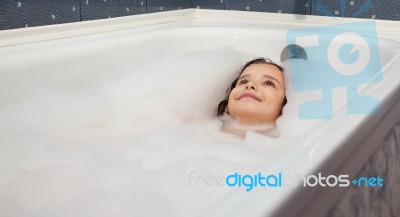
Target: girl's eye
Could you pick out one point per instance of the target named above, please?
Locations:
(242, 82)
(269, 83)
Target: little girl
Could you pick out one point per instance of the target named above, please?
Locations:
(255, 99)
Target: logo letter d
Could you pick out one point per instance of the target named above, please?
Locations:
(234, 177)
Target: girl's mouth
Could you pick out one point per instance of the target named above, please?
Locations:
(248, 95)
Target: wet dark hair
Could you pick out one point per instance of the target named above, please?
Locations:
(224, 103)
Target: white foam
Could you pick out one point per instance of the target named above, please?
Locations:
(122, 142)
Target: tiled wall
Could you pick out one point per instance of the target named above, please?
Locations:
(376, 9)
(26, 13)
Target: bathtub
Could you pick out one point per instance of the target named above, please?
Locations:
(116, 118)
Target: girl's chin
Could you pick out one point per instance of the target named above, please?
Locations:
(247, 112)
(248, 119)
(247, 116)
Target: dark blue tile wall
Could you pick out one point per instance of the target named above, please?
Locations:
(167, 5)
(26, 13)
(209, 4)
(376, 9)
(100, 9)
(95, 9)
(276, 6)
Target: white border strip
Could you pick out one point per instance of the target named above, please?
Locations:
(387, 29)
(51, 32)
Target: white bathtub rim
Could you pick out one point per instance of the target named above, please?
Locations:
(44, 33)
(66, 30)
(354, 164)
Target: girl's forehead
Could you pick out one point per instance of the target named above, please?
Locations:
(261, 69)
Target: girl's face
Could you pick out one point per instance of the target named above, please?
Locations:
(258, 95)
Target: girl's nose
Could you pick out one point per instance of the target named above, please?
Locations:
(251, 85)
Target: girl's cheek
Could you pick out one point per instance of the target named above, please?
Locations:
(230, 97)
(234, 91)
